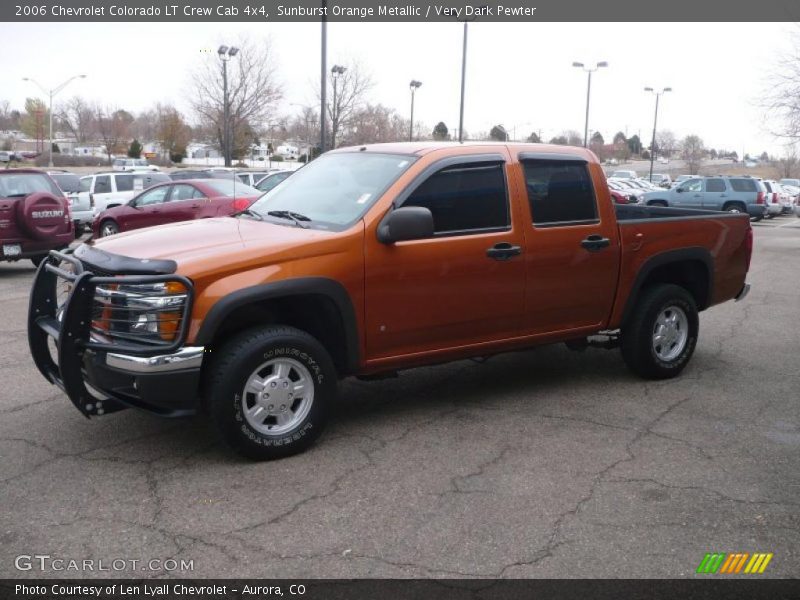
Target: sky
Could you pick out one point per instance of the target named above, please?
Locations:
(519, 75)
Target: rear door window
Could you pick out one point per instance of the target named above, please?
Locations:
(715, 185)
(102, 184)
(560, 192)
(124, 183)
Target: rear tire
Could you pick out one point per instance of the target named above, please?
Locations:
(661, 336)
(108, 227)
(657, 203)
(734, 207)
(269, 390)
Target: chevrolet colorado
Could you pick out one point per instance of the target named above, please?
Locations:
(369, 260)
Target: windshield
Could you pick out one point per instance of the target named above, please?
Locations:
(22, 184)
(336, 189)
(228, 187)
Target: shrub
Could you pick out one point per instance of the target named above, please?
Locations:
(135, 149)
(240, 165)
(69, 160)
(277, 158)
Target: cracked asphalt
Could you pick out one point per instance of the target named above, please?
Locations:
(545, 463)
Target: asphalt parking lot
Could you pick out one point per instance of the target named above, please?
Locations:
(544, 463)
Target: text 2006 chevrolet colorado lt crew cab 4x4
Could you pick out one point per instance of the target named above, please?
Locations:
(370, 260)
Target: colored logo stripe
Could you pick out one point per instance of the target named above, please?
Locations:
(722, 562)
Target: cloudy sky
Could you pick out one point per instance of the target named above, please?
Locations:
(519, 75)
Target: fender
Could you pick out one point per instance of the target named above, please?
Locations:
(699, 254)
(319, 286)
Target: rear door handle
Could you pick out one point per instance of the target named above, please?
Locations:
(503, 251)
(593, 243)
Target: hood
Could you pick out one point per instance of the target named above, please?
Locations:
(213, 245)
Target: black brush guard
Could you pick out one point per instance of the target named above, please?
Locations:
(74, 347)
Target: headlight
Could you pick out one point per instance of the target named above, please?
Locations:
(149, 314)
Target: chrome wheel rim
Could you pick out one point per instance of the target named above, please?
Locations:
(670, 333)
(277, 396)
(108, 230)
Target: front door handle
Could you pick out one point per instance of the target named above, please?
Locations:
(595, 242)
(503, 251)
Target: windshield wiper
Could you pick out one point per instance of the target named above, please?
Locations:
(292, 216)
(250, 213)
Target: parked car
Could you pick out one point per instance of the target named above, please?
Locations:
(725, 193)
(635, 193)
(663, 160)
(132, 164)
(358, 264)
(618, 197)
(70, 184)
(173, 202)
(660, 180)
(792, 182)
(778, 201)
(104, 188)
(265, 184)
(251, 178)
(681, 178)
(34, 215)
(202, 174)
(624, 174)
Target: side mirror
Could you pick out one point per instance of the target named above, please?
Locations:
(113, 205)
(679, 190)
(406, 223)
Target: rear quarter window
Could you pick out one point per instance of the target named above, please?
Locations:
(743, 185)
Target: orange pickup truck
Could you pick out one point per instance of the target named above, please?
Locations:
(370, 260)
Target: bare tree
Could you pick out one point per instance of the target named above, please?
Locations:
(693, 152)
(789, 165)
(253, 89)
(77, 116)
(782, 96)
(666, 142)
(113, 128)
(172, 132)
(347, 93)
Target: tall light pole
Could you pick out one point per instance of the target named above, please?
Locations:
(463, 82)
(413, 86)
(52, 93)
(225, 53)
(336, 72)
(589, 70)
(323, 83)
(655, 123)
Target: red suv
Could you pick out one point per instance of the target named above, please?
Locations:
(34, 215)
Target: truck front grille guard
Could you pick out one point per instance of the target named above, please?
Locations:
(71, 332)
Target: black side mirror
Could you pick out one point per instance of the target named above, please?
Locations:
(113, 205)
(406, 223)
(679, 190)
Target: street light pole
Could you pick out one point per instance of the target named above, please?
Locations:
(323, 84)
(463, 81)
(414, 85)
(336, 71)
(655, 123)
(52, 93)
(225, 54)
(589, 70)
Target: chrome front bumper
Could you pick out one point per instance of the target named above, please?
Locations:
(189, 357)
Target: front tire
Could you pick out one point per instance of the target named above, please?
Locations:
(661, 336)
(269, 391)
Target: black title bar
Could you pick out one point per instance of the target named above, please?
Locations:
(256, 11)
